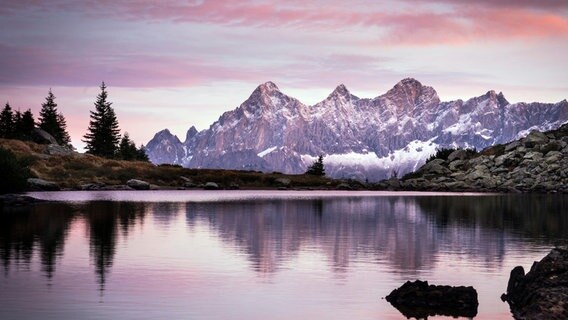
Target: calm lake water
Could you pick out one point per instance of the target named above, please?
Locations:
(263, 254)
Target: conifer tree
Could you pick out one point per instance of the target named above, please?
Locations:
(7, 122)
(127, 148)
(103, 133)
(317, 168)
(53, 122)
(141, 154)
(24, 124)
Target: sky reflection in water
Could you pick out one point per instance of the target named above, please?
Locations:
(258, 255)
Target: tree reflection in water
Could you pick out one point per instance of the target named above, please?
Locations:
(406, 233)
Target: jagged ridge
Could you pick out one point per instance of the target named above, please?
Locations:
(361, 138)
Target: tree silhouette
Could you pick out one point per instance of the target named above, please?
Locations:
(6, 122)
(24, 124)
(317, 168)
(103, 133)
(52, 121)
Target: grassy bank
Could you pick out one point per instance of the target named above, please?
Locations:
(73, 171)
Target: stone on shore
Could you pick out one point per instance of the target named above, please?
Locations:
(138, 184)
(211, 186)
(42, 185)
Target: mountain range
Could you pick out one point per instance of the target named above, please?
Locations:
(360, 138)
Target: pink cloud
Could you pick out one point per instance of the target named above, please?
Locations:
(420, 24)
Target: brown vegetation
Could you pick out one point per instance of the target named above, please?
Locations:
(73, 171)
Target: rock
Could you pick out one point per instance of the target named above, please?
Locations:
(535, 138)
(42, 137)
(553, 157)
(419, 300)
(513, 145)
(456, 164)
(42, 185)
(435, 167)
(543, 292)
(57, 150)
(211, 186)
(343, 186)
(551, 146)
(234, 186)
(138, 184)
(17, 200)
(533, 155)
(92, 186)
(459, 154)
(284, 182)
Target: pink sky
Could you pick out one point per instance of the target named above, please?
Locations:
(180, 63)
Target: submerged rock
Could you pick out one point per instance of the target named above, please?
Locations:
(418, 299)
(543, 292)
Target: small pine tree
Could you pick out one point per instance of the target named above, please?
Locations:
(53, 122)
(317, 168)
(103, 133)
(141, 154)
(7, 122)
(127, 148)
(24, 124)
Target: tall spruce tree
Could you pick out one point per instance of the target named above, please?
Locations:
(103, 133)
(53, 122)
(7, 122)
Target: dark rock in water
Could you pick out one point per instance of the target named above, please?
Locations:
(419, 300)
(543, 292)
(17, 200)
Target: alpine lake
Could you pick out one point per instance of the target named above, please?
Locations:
(263, 254)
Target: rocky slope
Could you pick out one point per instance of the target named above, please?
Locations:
(360, 138)
(536, 163)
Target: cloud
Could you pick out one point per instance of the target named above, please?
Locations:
(414, 24)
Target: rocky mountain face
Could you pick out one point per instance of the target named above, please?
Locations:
(360, 138)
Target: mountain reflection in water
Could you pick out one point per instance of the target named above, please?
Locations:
(408, 235)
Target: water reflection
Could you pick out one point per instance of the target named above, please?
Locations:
(25, 230)
(104, 220)
(407, 234)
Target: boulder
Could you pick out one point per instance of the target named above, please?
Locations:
(42, 185)
(513, 145)
(138, 184)
(284, 182)
(57, 150)
(435, 167)
(459, 154)
(542, 293)
(343, 186)
(211, 186)
(418, 299)
(42, 137)
(535, 138)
